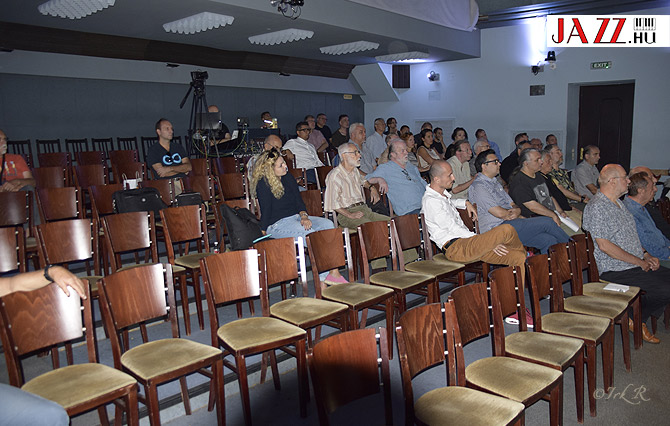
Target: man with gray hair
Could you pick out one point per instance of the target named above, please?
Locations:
(585, 175)
(375, 143)
(652, 207)
(357, 137)
(479, 146)
(460, 166)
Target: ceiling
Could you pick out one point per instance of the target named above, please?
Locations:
(133, 29)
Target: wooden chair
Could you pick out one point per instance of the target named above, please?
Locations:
(585, 260)
(236, 276)
(557, 352)
(512, 378)
(200, 167)
(233, 186)
(224, 165)
(90, 175)
(60, 203)
(57, 159)
(408, 235)
(186, 225)
(324, 157)
(47, 145)
(321, 173)
(101, 199)
(16, 210)
(50, 177)
(562, 260)
(285, 263)
(85, 158)
(76, 145)
(313, 202)
(147, 141)
(164, 186)
(146, 293)
(377, 241)
(206, 185)
(127, 144)
(131, 170)
(590, 329)
(105, 145)
(123, 156)
(300, 176)
(22, 147)
(44, 318)
(358, 297)
(346, 367)
(130, 232)
(421, 346)
(12, 249)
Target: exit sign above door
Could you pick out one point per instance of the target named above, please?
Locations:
(604, 65)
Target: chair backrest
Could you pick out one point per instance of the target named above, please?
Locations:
(346, 367)
(313, 202)
(376, 242)
(202, 184)
(285, 261)
(471, 303)
(102, 203)
(15, 208)
(133, 296)
(12, 249)
(224, 165)
(68, 241)
(50, 177)
(469, 223)
(130, 169)
(127, 144)
(121, 156)
(507, 295)
(22, 147)
(408, 234)
(51, 159)
(233, 185)
(90, 157)
(540, 285)
(321, 173)
(560, 267)
(105, 145)
(165, 188)
(89, 175)
(60, 203)
(130, 232)
(147, 141)
(585, 256)
(41, 319)
(199, 167)
(329, 249)
(47, 145)
(300, 176)
(184, 224)
(76, 145)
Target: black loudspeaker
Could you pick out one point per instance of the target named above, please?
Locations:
(401, 76)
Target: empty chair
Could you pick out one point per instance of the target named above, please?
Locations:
(233, 186)
(50, 177)
(146, 293)
(12, 249)
(239, 275)
(222, 165)
(84, 158)
(89, 175)
(313, 202)
(44, 318)
(421, 346)
(321, 173)
(123, 156)
(16, 209)
(76, 145)
(130, 232)
(346, 367)
(103, 144)
(127, 144)
(59, 203)
(102, 203)
(48, 145)
(200, 167)
(129, 170)
(165, 188)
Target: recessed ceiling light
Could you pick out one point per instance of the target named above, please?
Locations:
(283, 36)
(343, 49)
(73, 9)
(403, 57)
(201, 22)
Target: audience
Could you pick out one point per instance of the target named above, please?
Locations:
(316, 138)
(511, 162)
(438, 142)
(460, 164)
(167, 159)
(392, 126)
(561, 177)
(481, 135)
(304, 152)
(321, 120)
(426, 152)
(376, 142)
(342, 134)
(585, 175)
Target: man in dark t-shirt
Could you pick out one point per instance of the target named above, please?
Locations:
(512, 161)
(167, 159)
(321, 126)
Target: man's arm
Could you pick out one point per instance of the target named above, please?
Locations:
(591, 187)
(226, 138)
(538, 208)
(167, 171)
(503, 213)
(17, 184)
(323, 146)
(616, 252)
(34, 280)
(463, 186)
(288, 154)
(569, 194)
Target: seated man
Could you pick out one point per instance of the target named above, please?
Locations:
(15, 175)
(167, 159)
(570, 210)
(460, 165)
(376, 142)
(620, 256)
(500, 245)
(511, 162)
(316, 138)
(479, 147)
(341, 135)
(495, 207)
(641, 191)
(481, 135)
(585, 175)
(652, 206)
(304, 152)
(405, 185)
(221, 135)
(560, 177)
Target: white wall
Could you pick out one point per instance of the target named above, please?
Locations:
(492, 92)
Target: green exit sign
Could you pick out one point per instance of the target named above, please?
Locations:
(604, 65)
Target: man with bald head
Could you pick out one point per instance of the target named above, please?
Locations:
(500, 245)
(619, 255)
(652, 207)
(271, 141)
(221, 135)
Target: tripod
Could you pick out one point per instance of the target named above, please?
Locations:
(195, 141)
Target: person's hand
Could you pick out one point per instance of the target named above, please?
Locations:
(563, 213)
(642, 263)
(500, 250)
(64, 279)
(10, 186)
(471, 210)
(556, 220)
(374, 195)
(513, 213)
(306, 223)
(356, 215)
(652, 261)
(383, 186)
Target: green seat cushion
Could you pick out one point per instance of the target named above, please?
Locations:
(191, 261)
(547, 348)
(399, 280)
(512, 378)
(31, 242)
(159, 357)
(596, 290)
(575, 325)
(306, 312)
(441, 258)
(75, 384)
(247, 333)
(434, 269)
(92, 281)
(356, 295)
(594, 306)
(461, 406)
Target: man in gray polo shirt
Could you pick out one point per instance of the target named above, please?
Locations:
(585, 175)
(495, 207)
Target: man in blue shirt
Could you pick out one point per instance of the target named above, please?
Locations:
(495, 207)
(641, 191)
(405, 185)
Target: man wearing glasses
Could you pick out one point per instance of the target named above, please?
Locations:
(460, 165)
(304, 152)
(316, 138)
(495, 207)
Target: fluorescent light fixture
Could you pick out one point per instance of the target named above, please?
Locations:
(201, 22)
(403, 57)
(73, 9)
(278, 37)
(343, 49)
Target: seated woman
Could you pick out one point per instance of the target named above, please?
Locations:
(458, 134)
(283, 212)
(426, 152)
(438, 141)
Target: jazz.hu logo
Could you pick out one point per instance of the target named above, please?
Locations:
(608, 31)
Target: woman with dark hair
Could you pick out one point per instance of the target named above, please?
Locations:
(283, 212)
(426, 152)
(391, 126)
(411, 152)
(438, 141)
(458, 134)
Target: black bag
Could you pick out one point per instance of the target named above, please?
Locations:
(189, 199)
(243, 227)
(138, 200)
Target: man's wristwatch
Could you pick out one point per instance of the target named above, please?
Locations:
(582, 199)
(46, 274)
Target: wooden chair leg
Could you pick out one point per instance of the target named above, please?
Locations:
(198, 299)
(556, 404)
(102, 413)
(625, 340)
(637, 323)
(132, 412)
(153, 407)
(244, 387)
(591, 377)
(388, 310)
(183, 291)
(275, 369)
(303, 386)
(217, 379)
(364, 318)
(184, 395)
(579, 385)
(608, 358)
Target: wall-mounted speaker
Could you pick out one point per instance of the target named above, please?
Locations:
(401, 76)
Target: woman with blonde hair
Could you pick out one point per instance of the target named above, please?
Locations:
(283, 212)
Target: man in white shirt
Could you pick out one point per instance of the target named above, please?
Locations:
(376, 142)
(303, 151)
(460, 165)
(500, 245)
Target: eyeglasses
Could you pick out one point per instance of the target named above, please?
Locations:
(305, 130)
(406, 174)
(496, 161)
